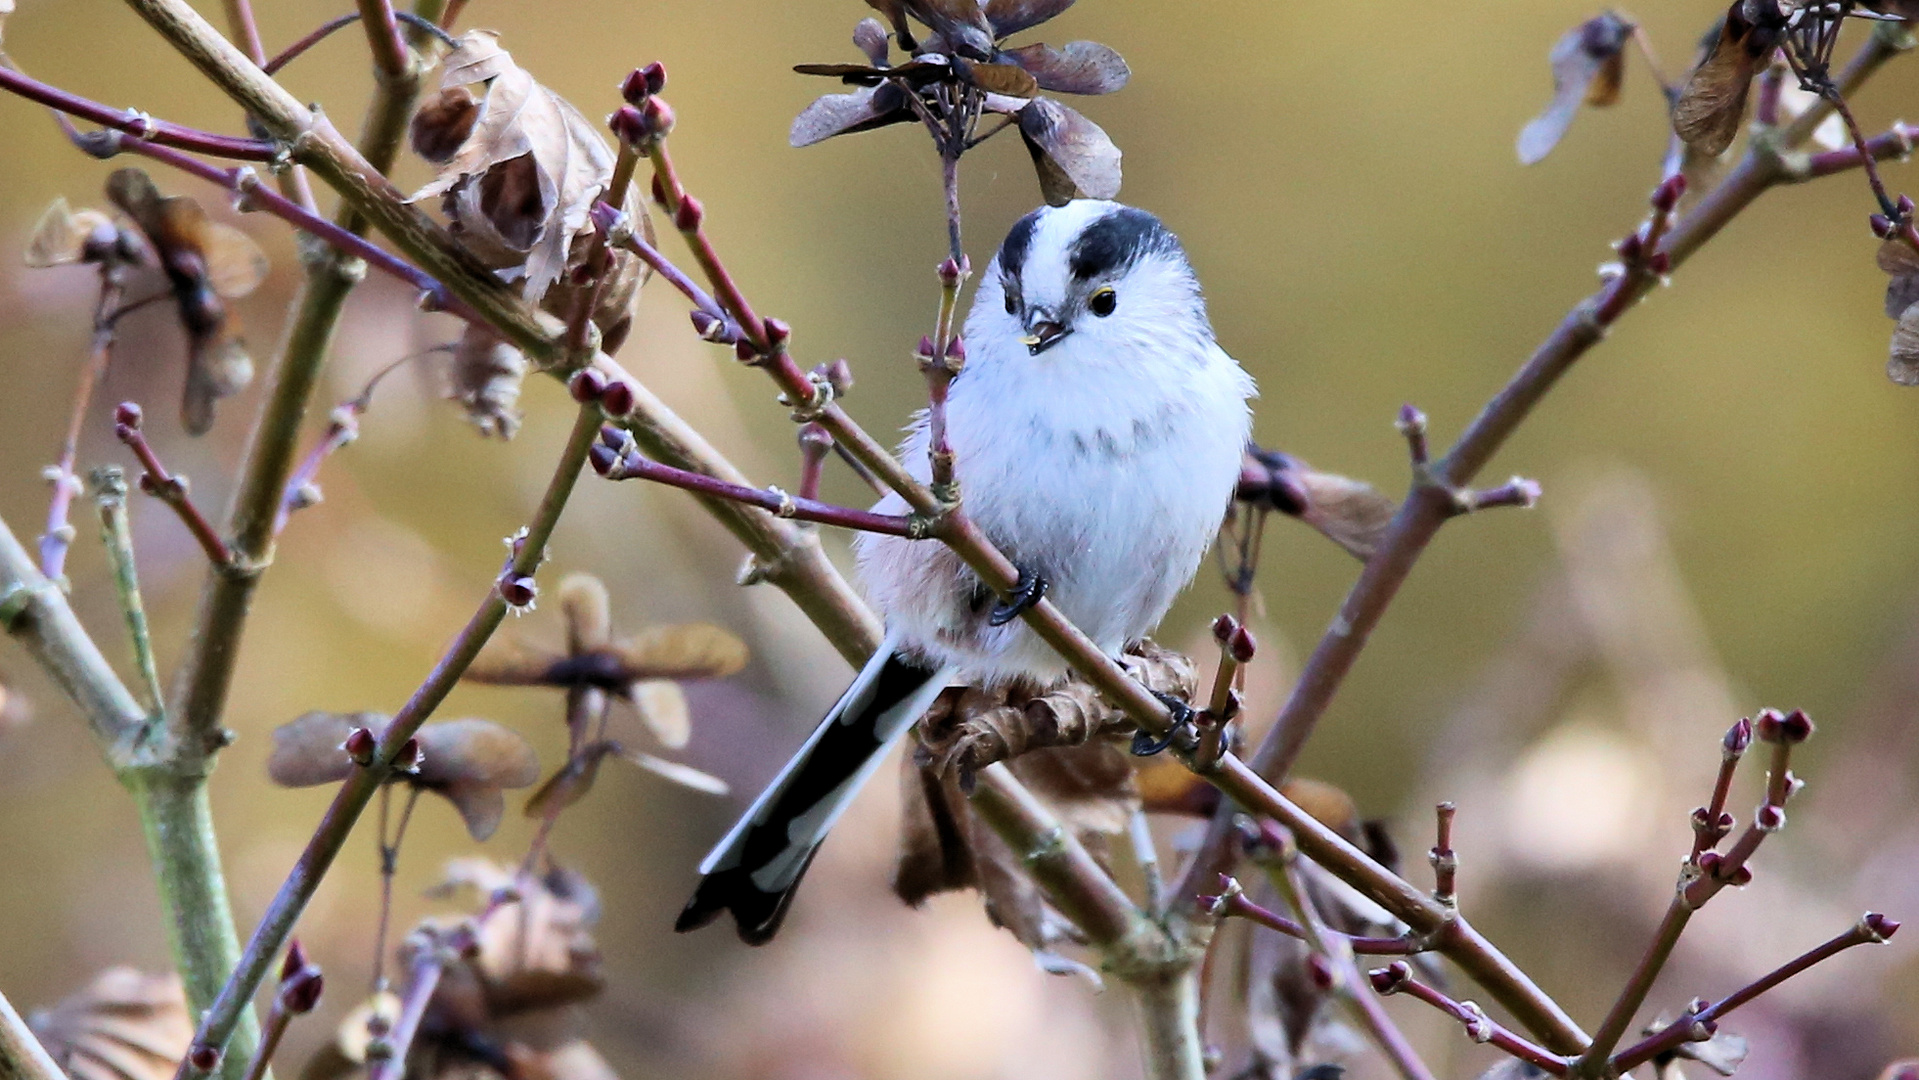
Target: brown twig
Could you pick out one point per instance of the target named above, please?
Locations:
(299, 992)
(1872, 928)
(1232, 902)
(1397, 978)
(156, 481)
(1444, 859)
(391, 56)
(616, 457)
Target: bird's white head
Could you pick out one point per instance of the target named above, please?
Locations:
(1091, 281)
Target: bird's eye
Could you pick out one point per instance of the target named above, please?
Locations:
(1104, 300)
(1010, 305)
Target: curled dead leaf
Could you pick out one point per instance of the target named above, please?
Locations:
(485, 379)
(1903, 365)
(443, 123)
(519, 187)
(539, 952)
(1072, 155)
(1588, 64)
(1899, 260)
(1712, 104)
(206, 263)
(125, 1025)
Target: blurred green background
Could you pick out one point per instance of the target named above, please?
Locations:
(1344, 179)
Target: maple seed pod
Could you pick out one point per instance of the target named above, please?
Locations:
(203, 1057)
(518, 590)
(1241, 645)
(360, 745)
(586, 385)
(690, 215)
(1223, 628)
(1387, 980)
(1667, 194)
(618, 399)
(1881, 225)
(777, 331)
(1738, 737)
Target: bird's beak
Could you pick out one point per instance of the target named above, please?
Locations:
(1042, 332)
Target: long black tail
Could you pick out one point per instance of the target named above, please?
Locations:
(756, 869)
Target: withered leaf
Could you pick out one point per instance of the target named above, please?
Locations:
(529, 170)
(1009, 17)
(1712, 105)
(485, 378)
(1898, 259)
(1072, 155)
(64, 236)
(443, 123)
(468, 762)
(1078, 67)
(538, 953)
(682, 651)
(1346, 511)
(1903, 366)
(205, 262)
(662, 707)
(960, 23)
(842, 114)
(125, 1025)
(1587, 64)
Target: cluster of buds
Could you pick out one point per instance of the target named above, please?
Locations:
(646, 118)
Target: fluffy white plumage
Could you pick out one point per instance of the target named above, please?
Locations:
(1097, 432)
(1105, 462)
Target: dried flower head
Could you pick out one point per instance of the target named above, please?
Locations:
(468, 762)
(206, 264)
(961, 71)
(126, 1025)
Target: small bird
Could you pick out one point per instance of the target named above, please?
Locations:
(1097, 430)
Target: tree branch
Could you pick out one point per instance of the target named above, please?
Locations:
(21, 1055)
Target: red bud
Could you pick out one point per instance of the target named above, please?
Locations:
(618, 399)
(690, 216)
(777, 331)
(1882, 226)
(1320, 971)
(518, 590)
(586, 385)
(1242, 646)
(1223, 628)
(1387, 980)
(1879, 926)
(203, 1057)
(128, 415)
(360, 745)
(1738, 737)
(1667, 194)
(628, 125)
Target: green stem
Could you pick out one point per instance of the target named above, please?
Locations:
(1169, 1024)
(116, 535)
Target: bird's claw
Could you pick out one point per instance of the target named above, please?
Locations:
(1183, 715)
(1030, 589)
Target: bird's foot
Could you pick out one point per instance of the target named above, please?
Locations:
(1030, 589)
(1183, 715)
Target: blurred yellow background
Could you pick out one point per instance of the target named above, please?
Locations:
(1343, 177)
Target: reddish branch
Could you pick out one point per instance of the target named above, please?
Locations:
(137, 124)
(66, 484)
(1232, 902)
(617, 458)
(1397, 978)
(156, 481)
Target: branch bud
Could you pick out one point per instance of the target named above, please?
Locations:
(1631, 248)
(1389, 979)
(586, 385)
(1877, 927)
(410, 756)
(1320, 971)
(925, 351)
(1738, 737)
(952, 273)
(618, 400)
(839, 375)
(360, 745)
(956, 352)
(628, 125)
(1241, 646)
(1668, 193)
(745, 352)
(690, 215)
(815, 439)
(1881, 225)
(128, 415)
(642, 83)
(1905, 206)
(658, 118)
(1660, 263)
(603, 458)
(778, 332)
(1789, 728)
(707, 325)
(203, 1057)
(1769, 818)
(518, 590)
(1223, 628)
(296, 960)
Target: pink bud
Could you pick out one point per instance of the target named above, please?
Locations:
(1880, 926)
(618, 400)
(628, 125)
(1223, 628)
(1242, 646)
(360, 745)
(203, 1057)
(1738, 737)
(296, 959)
(586, 385)
(777, 331)
(951, 272)
(128, 415)
(518, 590)
(690, 216)
(839, 375)
(925, 351)
(659, 118)
(1667, 194)
(1388, 980)
(1881, 225)
(1320, 971)
(956, 350)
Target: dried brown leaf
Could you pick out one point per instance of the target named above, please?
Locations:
(485, 378)
(1712, 104)
(125, 1025)
(1009, 17)
(529, 170)
(842, 114)
(442, 124)
(538, 953)
(204, 261)
(1072, 155)
(1587, 64)
(1078, 67)
(1903, 366)
(1008, 79)
(510, 661)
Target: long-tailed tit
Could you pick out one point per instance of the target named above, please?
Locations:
(1097, 430)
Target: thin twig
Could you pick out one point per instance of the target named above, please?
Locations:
(156, 481)
(136, 124)
(21, 1055)
(1397, 978)
(391, 56)
(58, 538)
(116, 535)
(1232, 902)
(246, 31)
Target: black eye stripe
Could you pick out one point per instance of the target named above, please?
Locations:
(1118, 240)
